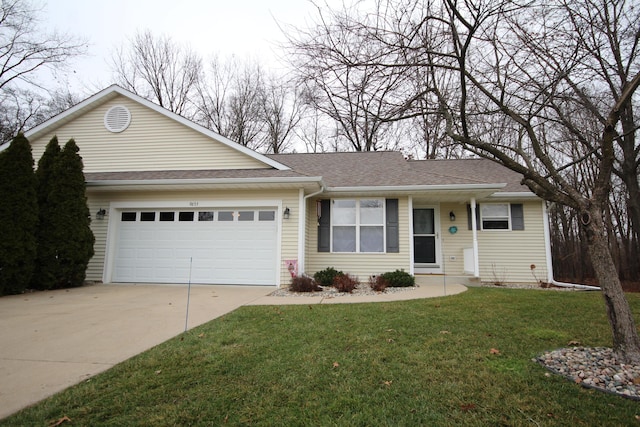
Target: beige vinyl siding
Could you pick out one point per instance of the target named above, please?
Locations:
(99, 228)
(362, 265)
(289, 228)
(452, 245)
(151, 142)
(505, 256)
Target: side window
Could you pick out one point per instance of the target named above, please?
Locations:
(358, 225)
(495, 216)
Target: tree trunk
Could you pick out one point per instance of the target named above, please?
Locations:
(626, 343)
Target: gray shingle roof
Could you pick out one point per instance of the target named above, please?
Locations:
(388, 168)
(350, 169)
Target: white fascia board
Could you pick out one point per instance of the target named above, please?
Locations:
(514, 195)
(271, 180)
(155, 107)
(414, 188)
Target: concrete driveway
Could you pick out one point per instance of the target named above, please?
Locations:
(52, 340)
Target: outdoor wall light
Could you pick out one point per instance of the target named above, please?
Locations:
(286, 213)
(101, 213)
(452, 216)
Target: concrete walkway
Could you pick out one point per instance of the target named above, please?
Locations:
(52, 340)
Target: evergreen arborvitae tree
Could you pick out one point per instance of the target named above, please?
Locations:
(18, 216)
(70, 218)
(47, 268)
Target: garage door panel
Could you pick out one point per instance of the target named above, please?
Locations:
(217, 252)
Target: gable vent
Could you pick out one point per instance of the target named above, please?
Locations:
(117, 118)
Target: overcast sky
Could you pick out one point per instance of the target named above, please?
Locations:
(241, 27)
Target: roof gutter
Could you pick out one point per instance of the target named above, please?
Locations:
(547, 241)
(144, 182)
(441, 187)
(514, 194)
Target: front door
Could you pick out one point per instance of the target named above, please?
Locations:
(425, 238)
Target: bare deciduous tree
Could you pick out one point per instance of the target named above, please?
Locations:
(282, 111)
(26, 51)
(509, 80)
(242, 102)
(228, 100)
(159, 69)
(361, 100)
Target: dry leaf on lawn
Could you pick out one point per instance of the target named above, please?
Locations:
(60, 421)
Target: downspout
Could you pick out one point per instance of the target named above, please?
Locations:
(547, 244)
(474, 228)
(412, 268)
(302, 235)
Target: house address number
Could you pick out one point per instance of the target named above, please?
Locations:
(193, 204)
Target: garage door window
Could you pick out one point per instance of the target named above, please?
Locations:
(167, 216)
(201, 216)
(129, 216)
(225, 216)
(205, 216)
(147, 216)
(186, 216)
(245, 216)
(267, 216)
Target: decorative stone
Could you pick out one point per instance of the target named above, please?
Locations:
(595, 367)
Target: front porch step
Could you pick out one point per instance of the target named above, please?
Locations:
(441, 279)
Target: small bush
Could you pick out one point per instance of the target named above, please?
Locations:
(304, 284)
(399, 279)
(326, 277)
(377, 283)
(345, 283)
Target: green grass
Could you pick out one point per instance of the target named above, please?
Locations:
(423, 362)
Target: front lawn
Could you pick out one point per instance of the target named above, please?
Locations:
(460, 360)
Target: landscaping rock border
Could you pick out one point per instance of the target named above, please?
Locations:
(594, 367)
(329, 292)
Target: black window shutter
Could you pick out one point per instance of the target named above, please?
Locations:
(517, 216)
(324, 226)
(393, 239)
(469, 224)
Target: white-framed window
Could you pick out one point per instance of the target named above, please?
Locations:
(495, 216)
(357, 225)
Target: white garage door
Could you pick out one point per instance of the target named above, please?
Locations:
(221, 246)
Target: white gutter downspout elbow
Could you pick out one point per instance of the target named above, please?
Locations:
(547, 244)
(302, 235)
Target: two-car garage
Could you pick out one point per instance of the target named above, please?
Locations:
(235, 245)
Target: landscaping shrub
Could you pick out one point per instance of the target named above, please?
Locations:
(70, 220)
(326, 277)
(18, 217)
(378, 283)
(399, 279)
(304, 284)
(345, 283)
